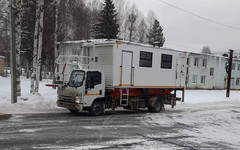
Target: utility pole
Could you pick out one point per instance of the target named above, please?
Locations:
(13, 53)
(132, 19)
(56, 32)
(229, 73)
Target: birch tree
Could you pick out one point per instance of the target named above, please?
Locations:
(27, 36)
(37, 47)
(18, 15)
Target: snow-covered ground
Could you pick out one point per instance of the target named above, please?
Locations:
(204, 117)
(44, 101)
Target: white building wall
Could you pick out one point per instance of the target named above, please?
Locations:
(214, 81)
(235, 74)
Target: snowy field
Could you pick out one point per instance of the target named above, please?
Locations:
(204, 117)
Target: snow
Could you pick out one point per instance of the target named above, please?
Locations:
(42, 102)
(205, 116)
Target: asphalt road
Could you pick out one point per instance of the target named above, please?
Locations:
(114, 130)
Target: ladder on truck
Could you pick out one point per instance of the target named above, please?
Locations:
(66, 63)
(124, 96)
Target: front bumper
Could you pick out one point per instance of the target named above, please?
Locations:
(67, 105)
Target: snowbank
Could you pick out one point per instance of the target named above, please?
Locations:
(44, 101)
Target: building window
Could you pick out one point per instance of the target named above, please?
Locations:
(145, 59)
(238, 81)
(196, 61)
(166, 61)
(238, 66)
(203, 79)
(188, 60)
(232, 81)
(194, 79)
(204, 63)
(233, 66)
(211, 71)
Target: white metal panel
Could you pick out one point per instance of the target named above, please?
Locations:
(126, 68)
(104, 62)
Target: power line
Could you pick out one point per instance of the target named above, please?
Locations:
(216, 22)
(182, 46)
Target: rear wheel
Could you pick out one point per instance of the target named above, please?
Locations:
(97, 108)
(157, 106)
(73, 111)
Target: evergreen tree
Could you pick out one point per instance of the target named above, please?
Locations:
(156, 35)
(107, 26)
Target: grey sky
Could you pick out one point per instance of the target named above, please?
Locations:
(184, 29)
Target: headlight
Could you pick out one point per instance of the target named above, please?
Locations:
(78, 99)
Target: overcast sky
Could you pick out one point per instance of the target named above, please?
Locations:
(183, 30)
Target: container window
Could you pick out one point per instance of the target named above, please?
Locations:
(145, 59)
(166, 61)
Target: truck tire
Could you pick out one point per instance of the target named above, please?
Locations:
(157, 106)
(73, 111)
(97, 108)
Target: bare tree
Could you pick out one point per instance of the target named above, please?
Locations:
(27, 34)
(142, 31)
(40, 34)
(206, 50)
(79, 20)
(150, 21)
(4, 32)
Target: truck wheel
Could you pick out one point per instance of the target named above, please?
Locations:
(97, 108)
(157, 107)
(73, 111)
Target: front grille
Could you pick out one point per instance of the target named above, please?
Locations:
(66, 98)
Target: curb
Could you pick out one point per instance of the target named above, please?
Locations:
(4, 116)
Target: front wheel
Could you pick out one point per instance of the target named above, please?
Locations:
(97, 108)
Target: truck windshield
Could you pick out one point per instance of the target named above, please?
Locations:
(76, 78)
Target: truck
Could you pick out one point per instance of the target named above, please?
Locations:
(106, 74)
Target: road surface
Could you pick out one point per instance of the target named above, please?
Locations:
(114, 130)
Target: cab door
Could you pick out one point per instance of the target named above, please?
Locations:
(94, 87)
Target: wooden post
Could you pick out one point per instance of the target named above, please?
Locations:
(13, 53)
(229, 73)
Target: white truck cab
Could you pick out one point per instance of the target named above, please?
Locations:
(84, 91)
